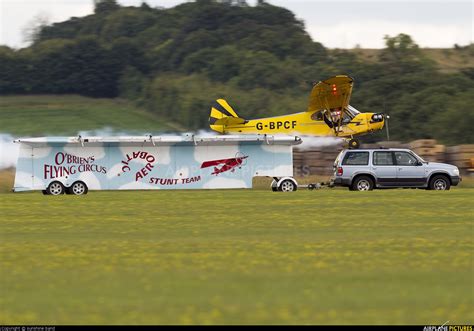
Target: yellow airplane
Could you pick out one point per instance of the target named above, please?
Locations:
(328, 114)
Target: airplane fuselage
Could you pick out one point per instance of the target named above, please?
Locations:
(304, 124)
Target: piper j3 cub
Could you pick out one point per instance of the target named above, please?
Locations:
(328, 114)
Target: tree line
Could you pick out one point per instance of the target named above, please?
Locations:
(175, 62)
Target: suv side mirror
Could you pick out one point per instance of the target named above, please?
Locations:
(419, 163)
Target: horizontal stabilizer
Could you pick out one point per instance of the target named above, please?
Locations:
(229, 121)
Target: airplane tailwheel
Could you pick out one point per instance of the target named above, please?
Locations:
(354, 143)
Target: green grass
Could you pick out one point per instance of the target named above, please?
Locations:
(68, 114)
(238, 256)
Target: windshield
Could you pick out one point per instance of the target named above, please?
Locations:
(335, 114)
(352, 111)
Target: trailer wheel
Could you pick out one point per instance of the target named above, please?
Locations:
(55, 188)
(78, 188)
(287, 186)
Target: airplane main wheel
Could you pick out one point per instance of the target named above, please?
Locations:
(354, 144)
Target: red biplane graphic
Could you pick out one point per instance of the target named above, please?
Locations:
(227, 164)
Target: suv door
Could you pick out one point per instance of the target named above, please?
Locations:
(410, 172)
(384, 168)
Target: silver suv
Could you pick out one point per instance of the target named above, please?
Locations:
(366, 169)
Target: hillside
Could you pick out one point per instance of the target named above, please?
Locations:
(447, 60)
(37, 115)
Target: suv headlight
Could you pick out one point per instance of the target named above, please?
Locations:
(456, 171)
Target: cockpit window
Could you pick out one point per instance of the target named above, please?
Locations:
(352, 111)
(317, 116)
(335, 114)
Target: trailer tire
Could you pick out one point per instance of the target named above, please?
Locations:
(274, 186)
(77, 188)
(55, 188)
(287, 186)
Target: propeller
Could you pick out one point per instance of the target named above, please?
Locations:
(386, 118)
(386, 127)
(242, 157)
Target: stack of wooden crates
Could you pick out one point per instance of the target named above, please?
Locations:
(461, 156)
(318, 160)
(429, 150)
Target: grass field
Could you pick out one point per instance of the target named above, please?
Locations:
(238, 256)
(34, 115)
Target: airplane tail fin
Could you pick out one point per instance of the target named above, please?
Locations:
(222, 115)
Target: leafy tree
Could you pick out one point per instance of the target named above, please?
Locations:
(105, 6)
(126, 23)
(32, 31)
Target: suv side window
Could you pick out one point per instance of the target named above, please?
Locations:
(356, 158)
(405, 159)
(383, 158)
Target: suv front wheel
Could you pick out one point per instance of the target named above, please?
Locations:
(440, 183)
(362, 183)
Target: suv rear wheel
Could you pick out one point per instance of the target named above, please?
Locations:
(362, 183)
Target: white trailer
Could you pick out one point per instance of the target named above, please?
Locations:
(74, 165)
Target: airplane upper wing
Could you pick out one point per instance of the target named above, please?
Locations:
(332, 93)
